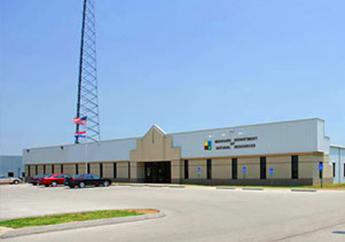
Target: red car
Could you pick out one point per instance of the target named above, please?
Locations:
(54, 180)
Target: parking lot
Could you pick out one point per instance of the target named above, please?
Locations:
(193, 213)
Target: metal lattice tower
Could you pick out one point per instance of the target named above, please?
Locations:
(87, 104)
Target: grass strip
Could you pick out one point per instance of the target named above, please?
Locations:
(67, 217)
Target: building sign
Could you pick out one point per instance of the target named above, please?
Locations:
(199, 170)
(208, 145)
(236, 143)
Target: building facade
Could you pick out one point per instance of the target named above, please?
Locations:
(337, 160)
(280, 153)
(11, 166)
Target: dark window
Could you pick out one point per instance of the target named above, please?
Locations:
(209, 168)
(333, 166)
(294, 167)
(101, 169)
(114, 170)
(61, 168)
(88, 168)
(344, 169)
(53, 169)
(234, 168)
(76, 169)
(23, 174)
(44, 169)
(36, 169)
(186, 167)
(29, 172)
(10, 174)
(262, 167)
(129, 170)
(95, 177)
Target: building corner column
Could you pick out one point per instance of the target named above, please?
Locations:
(176, 171)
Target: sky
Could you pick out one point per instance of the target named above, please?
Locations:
(184, 65)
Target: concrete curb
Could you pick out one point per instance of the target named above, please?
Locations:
(149, 185)
(154, 185)
(77, 225)
(176, 186)
(303, 190)
(226, 188)
(252, 189)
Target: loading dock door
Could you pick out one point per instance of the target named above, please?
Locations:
(158, 172)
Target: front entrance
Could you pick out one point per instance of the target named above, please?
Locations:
(158, 172)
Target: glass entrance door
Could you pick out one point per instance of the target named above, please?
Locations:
(157, 172)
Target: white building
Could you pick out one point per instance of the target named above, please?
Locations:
(337, 160)
(279, 153)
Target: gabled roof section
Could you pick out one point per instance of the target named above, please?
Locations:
(159, 129)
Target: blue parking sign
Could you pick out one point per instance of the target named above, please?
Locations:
(244, 169)
(271, 170)
(321, 166)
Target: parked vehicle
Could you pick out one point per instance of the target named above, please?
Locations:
(85, 180)
(53, 180)
(36, 179)
(9, 180)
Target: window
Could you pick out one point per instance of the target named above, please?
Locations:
(114, 170)
(76, 169)
(234, 165)
(61, 168)
(29, 172)
(101, 169)
(294, 167)
(186, 167)
(129, 170)
(36, 169)
(44, 169)
(94, 177)
(10, 174)
(344, 169)
(262, 167)
(53, 169)
(333, 167)
(89, 176)
(209, 168)
(88, 168)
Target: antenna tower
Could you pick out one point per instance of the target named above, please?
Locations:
(87, 103)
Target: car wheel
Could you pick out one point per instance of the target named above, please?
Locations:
(105, 183)
(15, 182)
(54, 184)
(82, 185)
